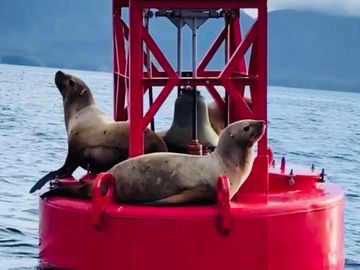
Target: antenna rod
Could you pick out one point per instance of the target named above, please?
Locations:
(179, 53)
(194, 75)
(227, 55)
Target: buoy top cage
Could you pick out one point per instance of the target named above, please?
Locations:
(136, 71)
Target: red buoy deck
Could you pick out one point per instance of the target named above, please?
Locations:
(298, 229)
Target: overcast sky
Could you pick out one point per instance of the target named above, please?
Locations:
(346, 7)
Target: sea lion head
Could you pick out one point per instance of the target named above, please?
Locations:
(237, 139)
(73, 90)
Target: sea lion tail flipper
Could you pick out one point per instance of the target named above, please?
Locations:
(62, 172)
(81, 191)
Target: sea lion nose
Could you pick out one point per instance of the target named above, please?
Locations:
(261, 124)
(59, 74)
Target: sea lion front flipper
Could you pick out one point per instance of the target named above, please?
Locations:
(154, 142)
(81, 191)
(40, 183)
(64, 171)
(194, 195)
(70, 165)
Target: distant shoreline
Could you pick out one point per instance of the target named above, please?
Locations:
(284, 85)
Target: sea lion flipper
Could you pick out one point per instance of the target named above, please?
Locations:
(41, 182)
(187, 196)
(64, 171)
(154, 142)
(81, 191)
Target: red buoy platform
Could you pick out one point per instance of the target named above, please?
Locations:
(298, 226)
(282, 218)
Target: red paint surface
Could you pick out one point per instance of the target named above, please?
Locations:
(288, 230)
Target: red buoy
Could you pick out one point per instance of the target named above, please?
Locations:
(282, 218)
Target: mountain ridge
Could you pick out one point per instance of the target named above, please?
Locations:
(305, 48)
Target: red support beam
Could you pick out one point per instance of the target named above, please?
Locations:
(158, 102)
(160, 57)
(202, 4)
(263, 175)
(211, 52)
(236, 39)
(136, 134)
(119, 67)
(126, 35)
(243, 111)
(240, 52)
(216, 96)
(196, 82)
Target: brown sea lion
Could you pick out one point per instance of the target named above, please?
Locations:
(171, 178)
(95, 141)
(217, 115)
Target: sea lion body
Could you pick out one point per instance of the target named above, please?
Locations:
(161, 175)
(95, 142)
(102, 142)
(171, 178)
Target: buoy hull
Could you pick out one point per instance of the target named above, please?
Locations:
(293, 230)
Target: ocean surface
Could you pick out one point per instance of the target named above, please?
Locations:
(306, 126)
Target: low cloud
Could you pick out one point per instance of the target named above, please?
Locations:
(343, 7)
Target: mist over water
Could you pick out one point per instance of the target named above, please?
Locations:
(306, 126)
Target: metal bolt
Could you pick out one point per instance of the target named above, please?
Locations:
(312, 167)
(292, 179)
(322, 176)
(273, 163)
(282, 166)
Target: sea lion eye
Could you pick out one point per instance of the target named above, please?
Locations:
(247, 128)
(71, 83)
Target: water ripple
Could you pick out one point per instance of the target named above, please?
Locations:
(307, 127)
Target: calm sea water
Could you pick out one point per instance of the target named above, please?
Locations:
(306, 126)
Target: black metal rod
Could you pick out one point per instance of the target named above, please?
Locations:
(226, 109)
(151, 101)
(194, 113)
(194, 59)
(227, 55)
(179, 53)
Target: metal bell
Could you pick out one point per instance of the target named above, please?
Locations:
(179, 136)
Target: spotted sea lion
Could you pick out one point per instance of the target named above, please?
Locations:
(95, 141)
(171, 178)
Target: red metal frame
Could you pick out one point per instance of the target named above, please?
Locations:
(131, 81)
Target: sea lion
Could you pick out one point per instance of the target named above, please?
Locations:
(217, 115)
(171, 178)
(95, 141)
